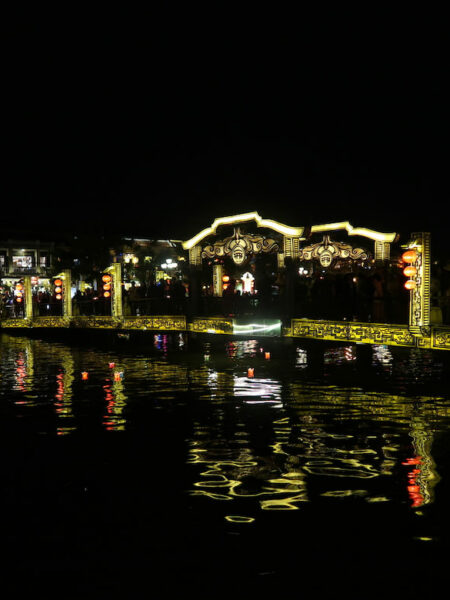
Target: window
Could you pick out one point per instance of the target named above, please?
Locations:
(22, 261)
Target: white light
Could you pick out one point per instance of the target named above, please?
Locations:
(169, 260)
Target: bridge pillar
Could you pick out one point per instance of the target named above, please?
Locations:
(115, 270)
(67, 293)
(420, 296)
(28, 297)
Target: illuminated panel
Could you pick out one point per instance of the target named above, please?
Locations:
(252, 216)
(265, 328)
(368, 233)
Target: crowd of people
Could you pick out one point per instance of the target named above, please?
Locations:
(366, 296)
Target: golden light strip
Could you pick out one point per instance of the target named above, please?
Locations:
(279, 227)
(369, 233)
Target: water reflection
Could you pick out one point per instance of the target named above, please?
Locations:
(269, 442)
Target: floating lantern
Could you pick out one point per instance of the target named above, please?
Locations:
(57, 282)
(250, 372)
(106, 278)
(410, 284)
(85, 375)
(267, 355)
(410, 271)
(409, 256)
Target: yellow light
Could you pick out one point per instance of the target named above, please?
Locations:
(58, 296)
(107, 294)
(252, 216)
(19, 299)
(369, 233)
(107, 286)
(225, 278)
(58, 290)
(410, 284)
(106, 278)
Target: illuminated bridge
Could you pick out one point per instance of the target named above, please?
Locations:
(235, 267)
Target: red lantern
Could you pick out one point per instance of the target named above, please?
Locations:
(225, 278)
(84, 375)
(19, 299)
(107, 286)
(409, 256)
(267, 355)
(106, 278)
(250, 372)
(58, 296)
(410, 284)
(19, 286)
(58, 282)
(58, 290)
(106, 294)
(410, 271)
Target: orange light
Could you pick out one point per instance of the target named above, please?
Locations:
(410, 271)
(58, 290)
(250, 372)
(19, 286)
(19, 294)
(58, 296)
(225, 285)
(225, 278)
(19, 299)
(84, 375)
(107, 286)
(267, 355)
(410, 284)
(106, 278)
(409, 256)
(57, 282)
(107, 294)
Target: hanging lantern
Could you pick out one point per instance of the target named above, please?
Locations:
(19, 299)
(58, 290)
(410, 271)
(19, 286)
(267, 355)
(106, 294)
(58, 282)
(106, 278)
(58, 297)
(409, 256)
(225, 278)
(250, 372)
(107, 286)
(84, 375)
(410, 284)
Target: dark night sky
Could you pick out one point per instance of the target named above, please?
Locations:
(177, 128)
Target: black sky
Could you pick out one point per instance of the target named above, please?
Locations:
(174, 127)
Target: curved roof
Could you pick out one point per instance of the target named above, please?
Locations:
(287, 230)
(242, 218)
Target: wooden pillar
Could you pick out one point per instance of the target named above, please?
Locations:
(28, 297)
(217, 280)
(116, 296)
(67, 293)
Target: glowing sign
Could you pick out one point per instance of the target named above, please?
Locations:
(265, 328)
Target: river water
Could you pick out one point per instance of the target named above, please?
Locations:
(158, 461)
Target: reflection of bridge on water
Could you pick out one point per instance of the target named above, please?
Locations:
(307, 447)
